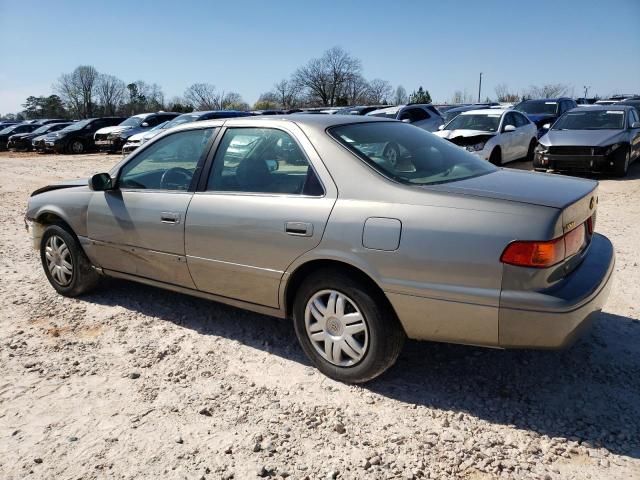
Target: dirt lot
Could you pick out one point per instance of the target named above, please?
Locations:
(135, 382)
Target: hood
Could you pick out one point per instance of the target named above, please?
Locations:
(79, 182)
(450, 134)
(587, 138)
(521, 186)
(18, 136)
(113, 129)
(137, 137)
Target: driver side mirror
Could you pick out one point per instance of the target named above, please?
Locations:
(101, 182)
(546, 126)
(509, 128)
(635, 125)
(144, 124)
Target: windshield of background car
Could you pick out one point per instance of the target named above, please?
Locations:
(538, 107)
(185, 118)
(591, 120)
(76, 126)
(409, 154)
(484, 122)
(8, 129)
(449, 115)
(131, 122)
(43, 129)
(388, 114)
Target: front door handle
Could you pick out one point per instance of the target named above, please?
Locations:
(299, 229)
(170, 217)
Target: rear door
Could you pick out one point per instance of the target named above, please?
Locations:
(138, 227)
(264, 202)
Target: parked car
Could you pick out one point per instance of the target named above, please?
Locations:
(545, 111)
(23, 141)
(136, 140)
(78, 137)
(7, 123)
(360, 109)
(425, 116)
(499, 136)
(444, 247)
(591, 139)
(452, 113)
(13, 130)
(634, 102)
(111, 139)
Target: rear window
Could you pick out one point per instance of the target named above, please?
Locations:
(409, 154)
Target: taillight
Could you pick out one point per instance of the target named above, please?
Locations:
(544, 254)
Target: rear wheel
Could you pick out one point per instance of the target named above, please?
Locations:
(67, 267)
(496, 156)
(621, 166)
(346, 330)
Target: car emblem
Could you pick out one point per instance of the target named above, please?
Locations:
(592, 202)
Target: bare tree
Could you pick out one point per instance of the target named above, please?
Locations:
(324, 78)
(378, 91)
(202, 96)
(111, 93)
(550, 90)
(287, 92)
(504, 95)
(267, 101)
(354, 91)
(77, 90)
(232, 101)
(400, 96)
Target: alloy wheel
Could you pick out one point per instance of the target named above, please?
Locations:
(77, 147)
(336, 328)
(59, 261)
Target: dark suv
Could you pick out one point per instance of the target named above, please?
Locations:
(545, 111)
(78, 137)
(112, 139)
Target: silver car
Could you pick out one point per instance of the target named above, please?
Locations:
(304, 217)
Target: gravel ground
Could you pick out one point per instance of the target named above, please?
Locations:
(136, 382)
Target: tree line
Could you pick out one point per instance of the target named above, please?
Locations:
(333, 79)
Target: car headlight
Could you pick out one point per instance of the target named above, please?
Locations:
(611, 148)
(476, 148)
(540, 148)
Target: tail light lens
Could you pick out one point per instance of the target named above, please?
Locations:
(545, 253)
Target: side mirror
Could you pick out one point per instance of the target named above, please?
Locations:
(546, 126)
(441, 127)
(144, 124)
(635, 125)
(272, 165)
(509, 128)
(100, 182)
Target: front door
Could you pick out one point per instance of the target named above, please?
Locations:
(138, 227)
(263, 206)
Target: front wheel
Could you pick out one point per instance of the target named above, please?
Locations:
(531, 150)
(621, 167)
(496, 157)
(65, 264)
(76, 147)
(345, 328)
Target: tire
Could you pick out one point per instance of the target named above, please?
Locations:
(622, 162)
(496, 157)
(391, 154)
(60, 249)
(377, 338)
(532, 149)
(75, 147)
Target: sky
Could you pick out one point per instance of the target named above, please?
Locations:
(247, 46)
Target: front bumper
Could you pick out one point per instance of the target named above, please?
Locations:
(573, 163)
(109, 145)
(555, 317)
(130, 147)
(19, 145)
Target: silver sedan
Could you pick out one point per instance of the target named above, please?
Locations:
(363, 231)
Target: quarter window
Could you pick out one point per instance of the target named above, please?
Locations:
(168, 164)
(262, 160)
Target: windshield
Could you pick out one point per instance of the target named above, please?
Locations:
(482, 121)
(160, 126)
(43, 129)
(386, 114)
(8, 129)
(409, 154)
(449, 115)
(537, 107)
(77, 125)
(184, 118)
(591, 120)
(132, 122)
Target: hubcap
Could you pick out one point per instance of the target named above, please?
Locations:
(392, 157)
(76, 147)
(59, 261)
(336, 327)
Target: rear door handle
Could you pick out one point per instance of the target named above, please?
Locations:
(299, 229)
(170, 217)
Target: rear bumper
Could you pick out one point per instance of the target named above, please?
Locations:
(555, 317)
(109, 145)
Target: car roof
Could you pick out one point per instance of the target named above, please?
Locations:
(556, 99)
(487, 111)
(616, 106)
